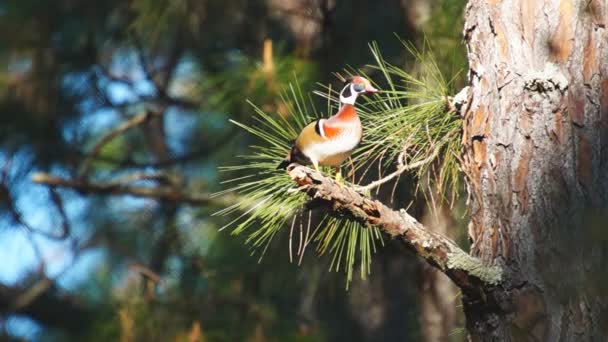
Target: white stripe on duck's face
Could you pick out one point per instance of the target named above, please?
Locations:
(348, 95)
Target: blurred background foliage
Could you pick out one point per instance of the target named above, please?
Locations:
(117, 98)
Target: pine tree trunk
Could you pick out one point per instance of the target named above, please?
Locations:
(536, 161)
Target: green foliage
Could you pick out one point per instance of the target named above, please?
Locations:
(411, 122)
(154, 20)
(444, 29)
(269, 204)
(407, 122)
(246, 78)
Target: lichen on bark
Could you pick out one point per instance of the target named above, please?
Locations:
(490, 274)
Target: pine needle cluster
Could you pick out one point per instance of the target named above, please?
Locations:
(406, 127)
(410, 126)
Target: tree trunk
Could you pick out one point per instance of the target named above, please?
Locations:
(535, 158)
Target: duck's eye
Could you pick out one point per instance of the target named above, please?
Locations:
(359, 87)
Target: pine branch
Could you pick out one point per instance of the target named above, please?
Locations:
(161, 192)
(466, 271)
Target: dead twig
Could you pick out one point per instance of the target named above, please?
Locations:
(401, 169)
(403, 166)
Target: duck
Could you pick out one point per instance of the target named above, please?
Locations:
(330, 141)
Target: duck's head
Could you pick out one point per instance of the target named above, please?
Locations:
(357, 85)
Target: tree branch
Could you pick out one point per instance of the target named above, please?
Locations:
(123, 127)
(48, 307)
(167, 193)
(466, 271)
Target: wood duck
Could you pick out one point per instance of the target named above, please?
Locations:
(329, 142)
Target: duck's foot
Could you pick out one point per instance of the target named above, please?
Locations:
(339, 179)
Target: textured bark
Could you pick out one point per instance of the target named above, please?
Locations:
(535, 157)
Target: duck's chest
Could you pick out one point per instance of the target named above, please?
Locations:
(343, 143)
